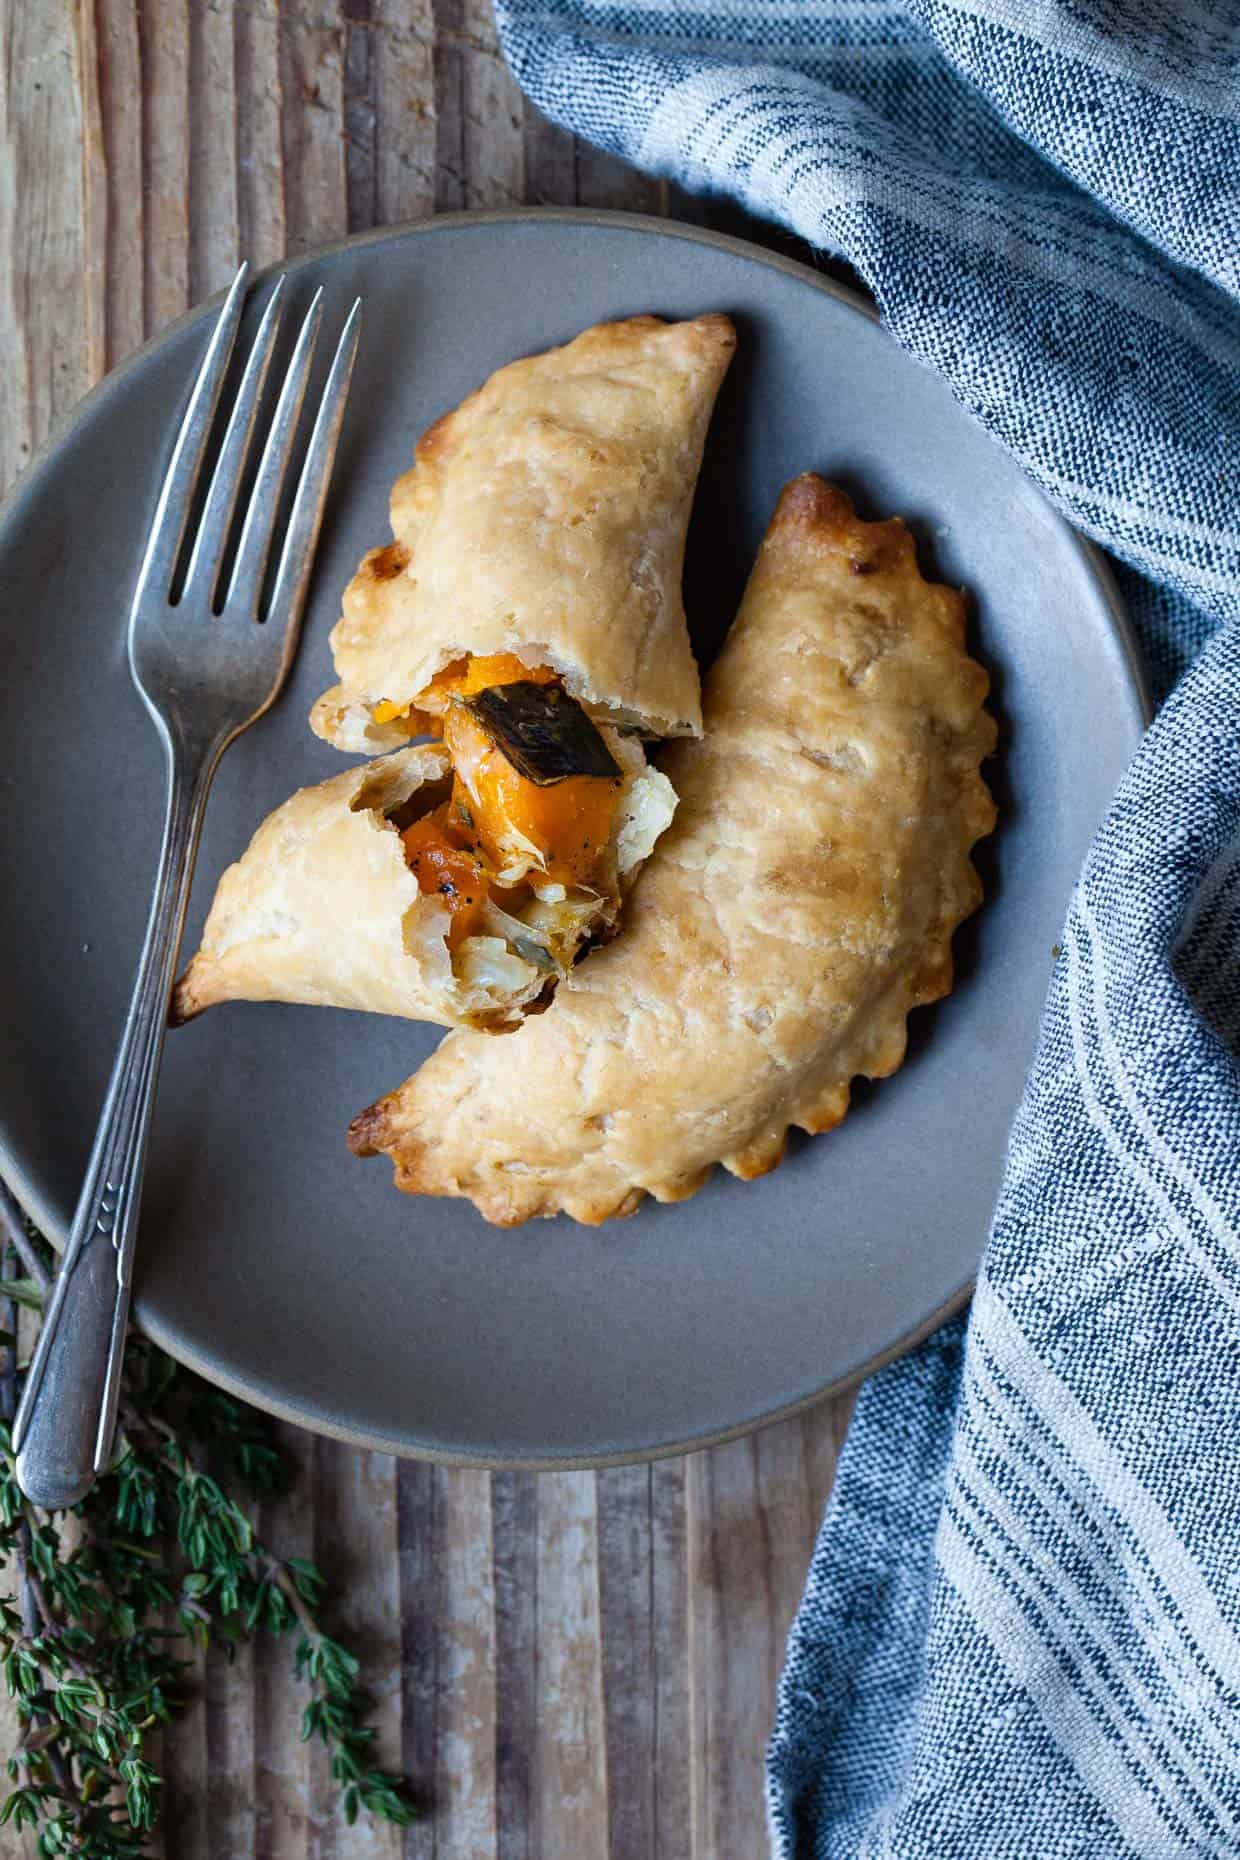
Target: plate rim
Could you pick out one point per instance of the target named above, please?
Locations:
(26, 485)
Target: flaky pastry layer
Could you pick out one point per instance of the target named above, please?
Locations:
(545, 517)
(322, 908)
(802, 901)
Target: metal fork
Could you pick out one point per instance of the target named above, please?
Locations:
(208, 659)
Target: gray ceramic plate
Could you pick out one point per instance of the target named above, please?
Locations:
(270, 1259)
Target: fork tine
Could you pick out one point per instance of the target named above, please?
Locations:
(297, 555)
(246, 585)
(217, 515)
(172, 511)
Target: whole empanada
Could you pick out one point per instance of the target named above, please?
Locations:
(543, 520)
(802, 901)
(323, 907)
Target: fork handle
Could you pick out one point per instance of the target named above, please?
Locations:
(64, 1426)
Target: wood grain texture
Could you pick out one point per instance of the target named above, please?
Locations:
(572, 1667)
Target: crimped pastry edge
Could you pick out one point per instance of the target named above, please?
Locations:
(823, 515)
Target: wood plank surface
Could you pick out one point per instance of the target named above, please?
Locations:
(569, 1667)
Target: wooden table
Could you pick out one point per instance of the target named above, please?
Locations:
(574, 1665)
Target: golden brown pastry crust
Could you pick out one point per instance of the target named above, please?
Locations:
(315, 909)
(545, 517)
(803, 900)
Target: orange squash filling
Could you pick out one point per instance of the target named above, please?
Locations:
(449, 869)
(457, 851)
(463, 677)
(568, 821)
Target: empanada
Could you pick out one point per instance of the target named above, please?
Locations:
(349, 896)
(529, 614)
(802, 901)
(542, 525)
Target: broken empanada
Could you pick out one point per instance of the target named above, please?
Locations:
(802, 901)
(361, 893)
(529, 614)
(542, 527)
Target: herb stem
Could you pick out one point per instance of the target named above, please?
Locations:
(38, 1741)
(8, 1320)
(13, 1232)
(288, 1589)
(84, 1651)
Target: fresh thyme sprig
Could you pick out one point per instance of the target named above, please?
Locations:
(83, 1646)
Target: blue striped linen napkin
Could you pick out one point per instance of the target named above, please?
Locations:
(1021, 1631)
